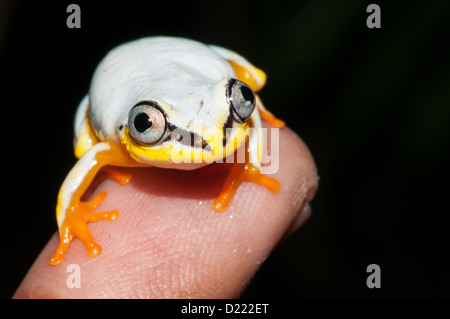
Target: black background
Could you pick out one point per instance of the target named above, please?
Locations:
(372, 104)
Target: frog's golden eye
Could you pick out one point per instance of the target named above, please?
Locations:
(241, 99)
(146, 122)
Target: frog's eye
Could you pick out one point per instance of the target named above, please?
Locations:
(241, 98)
(146, 122)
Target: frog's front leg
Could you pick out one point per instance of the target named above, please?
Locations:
(249, 170)
(242, 172)
(72, 213)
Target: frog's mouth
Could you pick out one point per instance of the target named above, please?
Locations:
(183, 146)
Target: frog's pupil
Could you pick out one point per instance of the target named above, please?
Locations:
(247, 94)
(142, 122)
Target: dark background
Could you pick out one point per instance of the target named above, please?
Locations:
(372, 104)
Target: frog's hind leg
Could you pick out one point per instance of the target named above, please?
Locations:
(267, 115)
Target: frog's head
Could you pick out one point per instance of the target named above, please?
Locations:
(199, 130)
(170, 100)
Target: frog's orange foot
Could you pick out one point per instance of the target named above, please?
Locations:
(273, 121)
(240, 172)
(75, 225)
(268, 116)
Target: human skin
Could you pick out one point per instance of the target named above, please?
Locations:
(168, 241)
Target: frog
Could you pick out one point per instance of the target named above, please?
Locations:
(165, 102)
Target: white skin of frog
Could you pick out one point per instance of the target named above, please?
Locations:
(183, 75)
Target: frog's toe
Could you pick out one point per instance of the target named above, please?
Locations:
(115, 174)
(93, 249)
(58, 257)
(88, 207)
(254, 175)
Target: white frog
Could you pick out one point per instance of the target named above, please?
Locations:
(166, 102)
